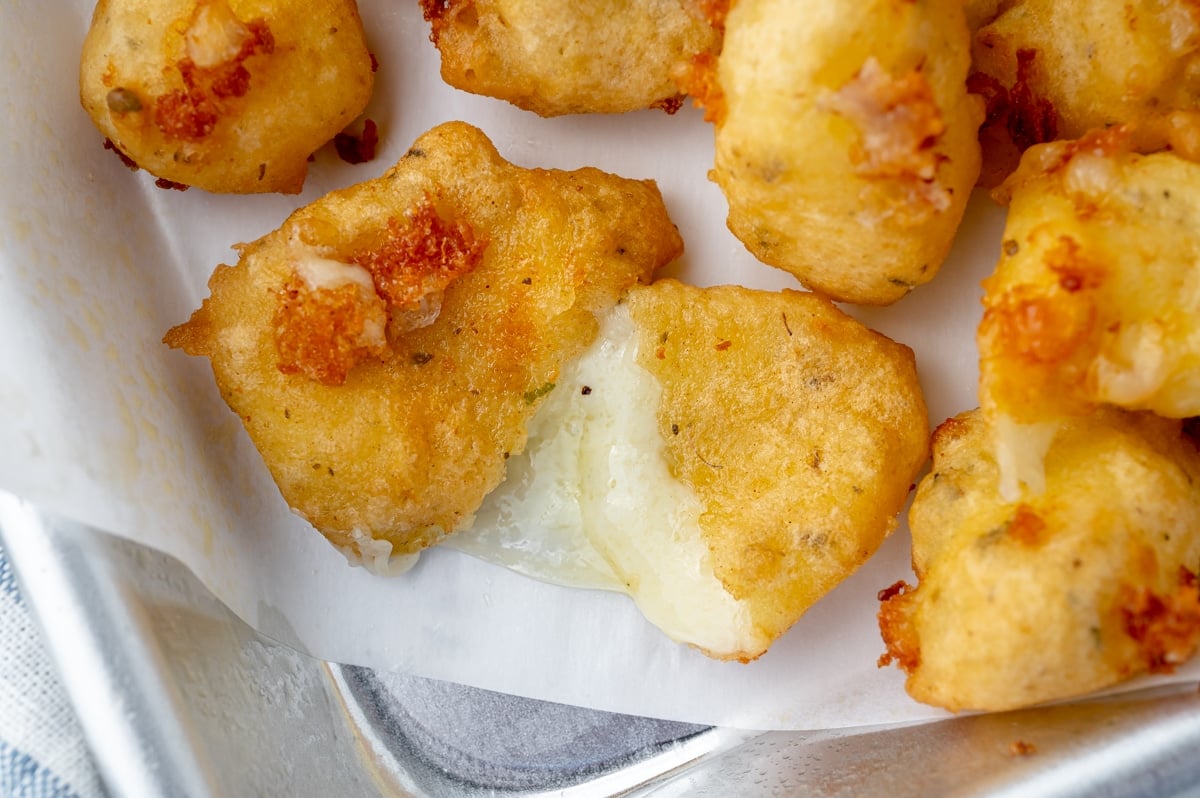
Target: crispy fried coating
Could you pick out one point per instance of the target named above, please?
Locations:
(1096, 298)
(1053, 69)
(1087, 584)
(595, 56)
(798, 429)
(491, 277)
(724, 456)
(981, 12)
(845, 139)
(225, 95)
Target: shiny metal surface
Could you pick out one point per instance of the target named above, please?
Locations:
(1147, 745)
(176, 696)
(440, 739)
(179, 697)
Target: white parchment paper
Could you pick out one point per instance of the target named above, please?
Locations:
(102, 423)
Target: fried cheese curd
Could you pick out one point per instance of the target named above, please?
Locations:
(386, 347)
(797, 430)
(1096, 298)
(1089, 583)
(981, 12)
(554, 58)
(725, 456)
(846, 141)
(231, 96)
(1055, 69)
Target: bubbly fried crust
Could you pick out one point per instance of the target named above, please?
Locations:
(1096, 298)
(597, 56)
(224, 95)
(418, 433)
(799, 429)
(1058, 68)
(846, 139)
(1085, 585)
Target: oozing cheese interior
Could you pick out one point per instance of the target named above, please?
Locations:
(320, 272)
(592, 502)
(1020, 452)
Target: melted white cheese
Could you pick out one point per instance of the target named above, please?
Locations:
(1020, 455)
(592, 502)
(215, 35)
(318, 272)
(376, 555)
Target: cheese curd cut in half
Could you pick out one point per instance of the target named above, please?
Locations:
(1096, 298)
(724, 456)
(386, 347)
(464, 350)
(1085, 585)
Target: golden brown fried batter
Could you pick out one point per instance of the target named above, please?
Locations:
(596, 56)
(724, 456)
(1096, 298)
(225, 95)
(490, 278)
(799, 430)
(1053, 69)
(1076, 589)
(981, 12)
(845, 139)
(323, 332)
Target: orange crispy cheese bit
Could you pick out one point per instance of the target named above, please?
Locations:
(895, 626)
(698, 79)
(900, 125)
(423, 256)
(214, 70)
(323, 332)
(1167, 628)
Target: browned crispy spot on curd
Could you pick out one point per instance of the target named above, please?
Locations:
(440, 13)
(1021, 748)
(1026, 118)
(715, 12)
(218, 44)
(1027, 526)
(187, 115)
(1074, 272)
(1088, 166)
(951, 429)
(1190, 430)
(322, 333)
(670, 104)
(422, 256)
(1167, 628)
(895, 625)
(358, 149)
(900, 125)
(1037, 328)
(1104, 142)
(125, 159)
(1029, 119)
(1045, 326)
(698, 78)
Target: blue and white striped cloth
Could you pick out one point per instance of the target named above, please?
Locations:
(42, 750)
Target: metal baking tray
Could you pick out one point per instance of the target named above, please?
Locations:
(178, 697)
